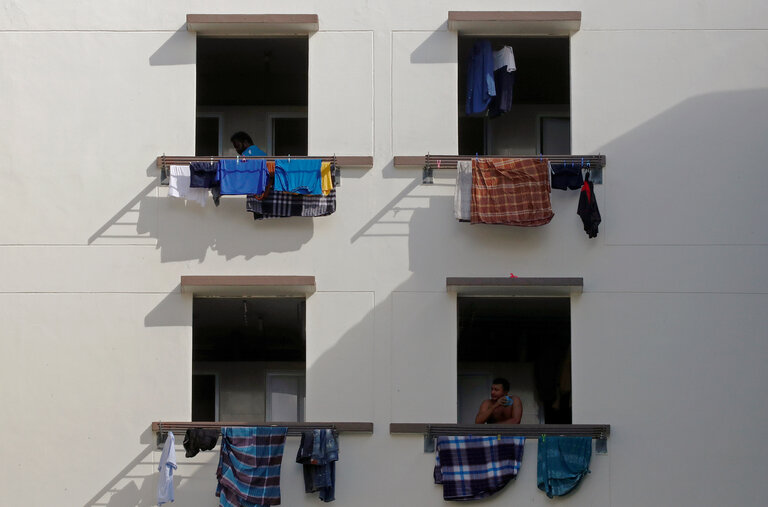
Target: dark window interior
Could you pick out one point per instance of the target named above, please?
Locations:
(522, 330)
(203, 397)
(542, 81)
(252, 71)
(260, 75)
(248, 329)
(290, 136)
(207, 136)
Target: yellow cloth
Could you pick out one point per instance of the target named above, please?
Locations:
(325, 178)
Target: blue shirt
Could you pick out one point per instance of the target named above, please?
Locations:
(254, 151)
(481, 86)
(243, 177)
(298, 176)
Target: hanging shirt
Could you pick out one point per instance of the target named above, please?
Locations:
(326, 179)
(178, 185)
(166, 467)
(504, 77)
(504, 57)
(243, 177)
(298, 176)
(480, 83)
(462, 195)
(587, 209)
(562, 463)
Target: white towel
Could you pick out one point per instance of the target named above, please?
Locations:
(462, 196)
(178, 186)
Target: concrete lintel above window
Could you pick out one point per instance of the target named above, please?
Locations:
(482, 286)
(252, 24)
(552, 23)
(242, 286)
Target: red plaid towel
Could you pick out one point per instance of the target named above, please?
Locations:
(510, 191)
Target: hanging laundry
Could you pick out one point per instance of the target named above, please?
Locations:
(199, 439)
(166, 466)
(285, 204)
(326, 178)
(242, 176)
(462, 196)
(249, 466)
(566, 176)
(511, 192)
(587, 210)
(504, 68)
(298, 176)
(203, 174)
(178, 185)
(470, 468)
(318, 452)
(481, 86)
(562, 463)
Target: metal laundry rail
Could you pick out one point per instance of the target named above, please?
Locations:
(449, 161)
(164, 161)
(161, 428)
(599, 432)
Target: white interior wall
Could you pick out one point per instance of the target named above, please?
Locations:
(243, 386)
(97, 338)
(255, 120)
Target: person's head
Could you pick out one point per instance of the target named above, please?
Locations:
(499, 388)
(241, 141)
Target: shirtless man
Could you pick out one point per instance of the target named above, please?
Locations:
(497, 409)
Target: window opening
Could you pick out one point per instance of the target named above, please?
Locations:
(247, 79)
(526, 340)
(208, 136)
(247, 343)
(541, 89)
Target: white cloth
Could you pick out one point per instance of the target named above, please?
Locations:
(504, 57)
(178, 185)
(166, 467)
(462, 196)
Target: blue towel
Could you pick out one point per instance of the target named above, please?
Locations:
(243, 177)
(562, 462)
(298, 176)
(249, 466)
(476, 467)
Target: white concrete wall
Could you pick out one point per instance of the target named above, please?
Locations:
(668, 341)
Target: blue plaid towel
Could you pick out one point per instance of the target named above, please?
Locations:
(476, 467)
(562, 463)
(249, 466)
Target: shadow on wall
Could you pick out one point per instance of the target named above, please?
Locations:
(186, 231)
(693, 174)
(179, 49)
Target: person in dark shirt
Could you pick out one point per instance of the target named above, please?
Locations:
(244, 146)
(501, 407)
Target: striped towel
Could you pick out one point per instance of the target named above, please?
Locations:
(249, 466)
(511, 191)
(470, 468)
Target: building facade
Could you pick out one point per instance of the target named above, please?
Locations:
(660, 336)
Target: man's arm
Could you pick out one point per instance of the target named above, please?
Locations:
(486, 410)
(517, 412)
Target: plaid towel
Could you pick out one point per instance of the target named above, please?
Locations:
(318, 205)
(511, 191)
(476, 467)
(284, 204)
(562, 463)
(249, 466)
